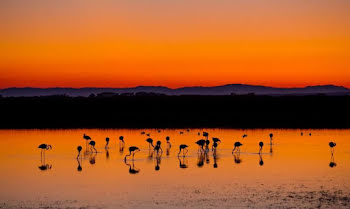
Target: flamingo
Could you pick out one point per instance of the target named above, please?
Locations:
(182, 148)
(207, 142)
(107, 142)
(244, 136)
(167, 141)
(44, 147)
(92, 144)
(150, 142)
(121, 139)
(271, 136)
(215, 145)
(158, 147)
(201, 143)
(261, 144)
(205, 134)
(132, 150)
(237, 146)
(79, 148)
(87, 138)
(332, 145)
(216, 141)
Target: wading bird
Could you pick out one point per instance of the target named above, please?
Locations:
(158, 148)
(132, 150)
(271, 136)
(261, 144)
(87, 138)
(44, 147)
(206, 134)
(216, 141)
(92, 144)
(215, 145)
(168, 141)
(107, 142)
(244, 136)
(182, 148)
(332, 145)
(121, 140)
(237, 146)
(150, 142)
(207, 142)
(79, 148)
(201, 143)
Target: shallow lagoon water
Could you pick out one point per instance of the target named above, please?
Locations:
(297, 173)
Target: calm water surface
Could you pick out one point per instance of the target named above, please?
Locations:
(293, 163)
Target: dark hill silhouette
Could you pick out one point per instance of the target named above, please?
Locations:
(236, 89)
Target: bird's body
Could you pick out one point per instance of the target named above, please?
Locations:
(45, 146)
(205, 134)
(107, 142)
(182, 148)
(244, 136)
(207, 142)
(237, 146)
(86, 137)
(271, 136)
(158, 148)
(332, 145)
(168, 141)
(121, 139)
(216, 141)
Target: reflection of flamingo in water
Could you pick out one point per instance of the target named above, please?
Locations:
(332, 163)
(92, 159)
(79, 168)
(158, 160)
(182, 162)
(201, 143)
(215, 165)
(45, 167)
(261, 162)
(132, 150)
(237, 146)
(92, 144)
(87, 138)
(217, 141)
(182, 148)
(79, 148)
(132, 169)
(201, 159)
(237, 158)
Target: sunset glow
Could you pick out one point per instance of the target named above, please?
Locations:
(86, 43)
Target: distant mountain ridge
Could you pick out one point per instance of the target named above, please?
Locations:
(236, 89)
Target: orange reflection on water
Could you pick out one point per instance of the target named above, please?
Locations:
(292, 161)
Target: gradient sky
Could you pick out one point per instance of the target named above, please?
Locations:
(174, 43)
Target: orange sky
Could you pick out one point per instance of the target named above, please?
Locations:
(174, 43)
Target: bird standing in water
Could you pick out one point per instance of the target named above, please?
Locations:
(216, 141)
(207, 142)
(182, 148)
(132, 150)
(237, 146)
(201, 143)
(150, 142)
(168, 141)
(92, 144)
(87, 138)
(261, 144)
(107, 142)
(206, 134)
(44, 147)
(79, 148)
(121, 140)
(244, 136)
(332, 145)
(158, 148)
(271, 136)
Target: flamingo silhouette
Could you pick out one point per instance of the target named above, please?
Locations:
(206, 134)
(237, 146)
(107, 142)
(44, 147)
(87, 138)
(132, 150)
(168, 141)
(132, 169)
(216, 141)
(271, 137)
(261, 144)
(182, 148)
(332, 145)
(121, 140)
(158, 148)
(150, 142)
(201, 143)
(79, 148)
(92, 144)
(244, 136)
(207, 142)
